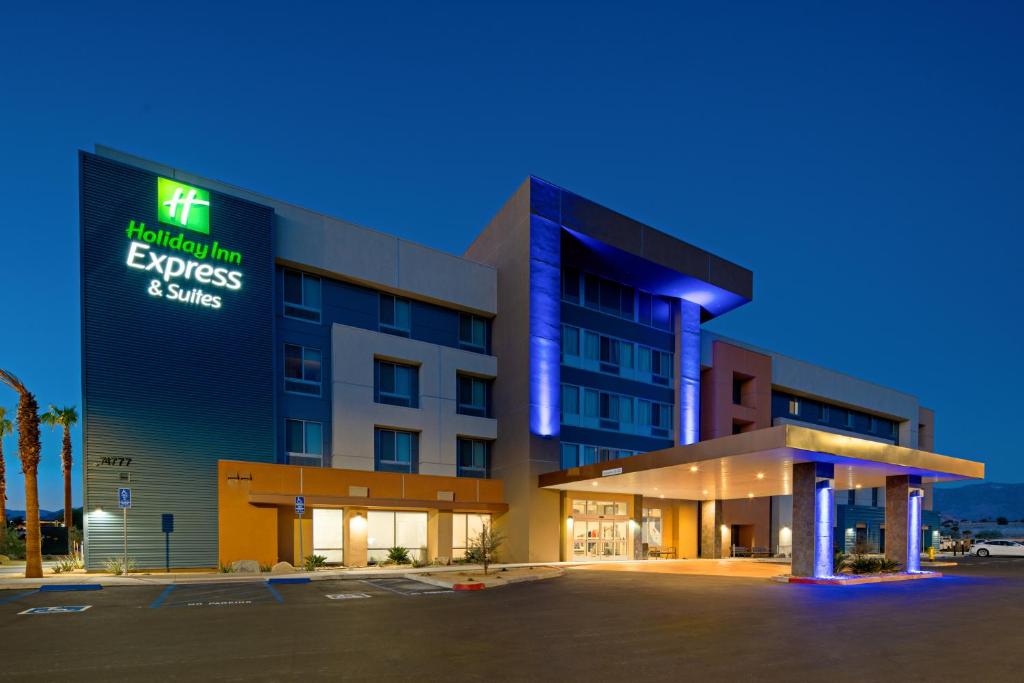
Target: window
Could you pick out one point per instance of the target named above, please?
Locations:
(872, 424)
(472, 332)
(661, 312)
(395, 315)
(616, 353)
(591, 401)
(328, 534)
(570, 400)
(396, 451)
(571, 285)
(849, 419)
(386, 529)
(474, 396)
(570, 455)
(301, 370)
(396, 384)
(657, 416)
(301, 296)
(570, 340)
(824, 413)
(591, 345)
(474, 457)
(737, 390)
(304, 440)
(658, 363)
(794, 406)
(466, 528)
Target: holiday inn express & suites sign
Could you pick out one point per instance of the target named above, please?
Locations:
(178, 265)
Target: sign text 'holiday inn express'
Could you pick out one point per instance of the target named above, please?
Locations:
(178, 265)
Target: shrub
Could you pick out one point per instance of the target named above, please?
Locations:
(862, 564)
(484, 547)
(265, 568)
(314, 562)
(839, 562)
(10, 545)
(887, 565)
(117, 566)
(226, 569)
(68, 563)
(398, 555)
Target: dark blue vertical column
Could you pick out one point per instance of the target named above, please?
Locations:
(689, 373)
(545, 326)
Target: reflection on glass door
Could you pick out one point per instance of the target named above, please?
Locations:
(599, 530)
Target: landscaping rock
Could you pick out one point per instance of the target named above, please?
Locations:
(245, 567)
(282, 568)
(4, 559)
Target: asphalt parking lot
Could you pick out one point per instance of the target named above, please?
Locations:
(592, 625)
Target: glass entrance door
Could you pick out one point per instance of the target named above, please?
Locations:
(599, 530)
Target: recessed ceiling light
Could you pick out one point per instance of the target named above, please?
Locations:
(750, 495)
(593, 483)
(704, 493)
(661, 496)
(860, 485)
(760, 475)
(693, 468)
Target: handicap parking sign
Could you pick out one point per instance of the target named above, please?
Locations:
(300, 504)
(124, 498)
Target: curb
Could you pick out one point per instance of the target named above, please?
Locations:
(56, 587)
(807, 580)
(468, 586)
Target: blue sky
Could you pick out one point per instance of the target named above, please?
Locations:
(864, 161)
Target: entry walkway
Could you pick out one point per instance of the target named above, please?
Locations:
(737, 568)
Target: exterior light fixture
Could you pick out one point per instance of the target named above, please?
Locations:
(358, 523)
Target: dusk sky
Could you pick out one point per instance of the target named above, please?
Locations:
(866, 166)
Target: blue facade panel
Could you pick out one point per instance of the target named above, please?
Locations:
(169, 387)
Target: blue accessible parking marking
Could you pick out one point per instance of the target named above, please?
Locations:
(68, 609)
(17, 596)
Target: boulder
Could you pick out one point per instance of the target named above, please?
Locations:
(245, 567)
(4, 559)
(282, 568)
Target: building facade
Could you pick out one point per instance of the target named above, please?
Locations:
(272, 383)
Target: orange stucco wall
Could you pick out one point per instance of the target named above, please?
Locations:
(717, 410)
(267, 532)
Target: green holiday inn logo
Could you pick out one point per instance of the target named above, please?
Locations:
(183, 206)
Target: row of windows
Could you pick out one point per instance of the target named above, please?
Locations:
(303, 300)
(843, 417)
(614, 298)
(603, 353)
(578, 455)
(585, 407)
(394, 450)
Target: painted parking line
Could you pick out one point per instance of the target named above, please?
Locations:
(66, 609)
(406, 587)
(163, 596)
(276, 593)
(347, 596)
(12, 598)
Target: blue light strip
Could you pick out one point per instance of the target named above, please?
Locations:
(689, 373)
(545, 326)
(914, 532)
(823, 523)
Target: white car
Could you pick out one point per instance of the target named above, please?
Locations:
(986, 548)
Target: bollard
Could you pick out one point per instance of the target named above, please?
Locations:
(931, 553)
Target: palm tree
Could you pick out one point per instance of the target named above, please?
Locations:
(28, 451)
(6, 427)
(66, 418)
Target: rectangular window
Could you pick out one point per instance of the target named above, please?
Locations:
(304, 441)
(386, 529)
(737, 390)
(571, 285)
(570, 455)
(302, 370)
(570, 400)
(466, 528)
(872, 424)
(589, 455)
(644, 304)
(591, 403)
(591, 291)
(472, 332)
(824, 413)
(591, 346)
(302, 296)
(474, 396)
(396, 384)
(395, 315)
(396, 451)
(474, 458)
(794, 406)
(661, 312)
(849, 419)
(328, 532)
(570, 340)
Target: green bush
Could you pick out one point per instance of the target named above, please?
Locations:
(839, 562)
(117, 566)
(887, 565)
(68, 563)
(10, 545)
(398, 555)
(862, 564)
(313, 562)
(265, 568)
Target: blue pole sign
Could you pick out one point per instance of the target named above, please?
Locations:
(300, 504)
(124, 498)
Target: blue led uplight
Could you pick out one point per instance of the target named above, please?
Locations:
(823, 524)
(914, 532)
